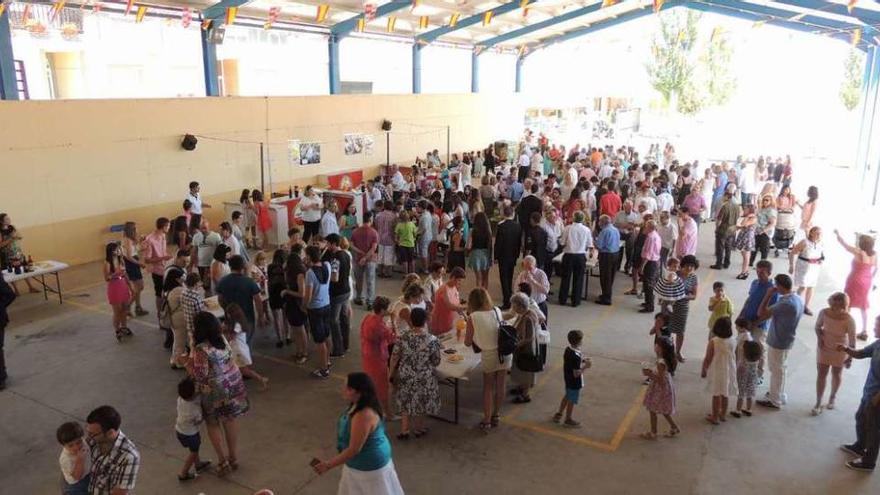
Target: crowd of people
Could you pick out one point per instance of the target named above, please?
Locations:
(548, 210)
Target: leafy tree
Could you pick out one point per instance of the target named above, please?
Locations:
(851, 86)
(716, 62)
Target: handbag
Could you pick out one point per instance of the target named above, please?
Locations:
(529, 360)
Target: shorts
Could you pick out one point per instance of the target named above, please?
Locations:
(573, 395)
(479, 260)
(386, 255)
(295, 315)
(158, 283)
(319, 324)
(190, 442)
(490, 363)
(405, 254)
(423, 248)
(133, 270)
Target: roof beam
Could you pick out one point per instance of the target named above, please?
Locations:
(218, 10)
(605, 23)
(781, 14)
(516, 33)
(862, 14)
(341, 29)
(470, 21)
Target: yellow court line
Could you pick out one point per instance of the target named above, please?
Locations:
(627, 420)
(555, 433)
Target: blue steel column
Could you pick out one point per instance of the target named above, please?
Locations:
(333, 63)
(475, 72)
(417, 68)
(8, 87)
(209, 64)
(518, 85)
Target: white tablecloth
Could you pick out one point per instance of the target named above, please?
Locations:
(459, 369)
(40, 268)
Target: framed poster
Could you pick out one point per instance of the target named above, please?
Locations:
(368, 143)
(309, 153)
(293, 151)
(353, 143)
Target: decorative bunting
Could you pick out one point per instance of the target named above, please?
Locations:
(96, 7)
(56, 9)
(186, 17)
(129, 4)
(487, 18)
(206, 24)
(391, 21)
(850, 5)
(608, 3)
(274, 14)
(26, 13)
(415, 3)
(141, 12)
(856, 36)
(369, 10)
(423, 22)
(658, 4)
(681, 36)
(453, 19)
(2, 8)
(361, 24)
(524, 5)
(322, 13)
(231, 12)
(715, 34)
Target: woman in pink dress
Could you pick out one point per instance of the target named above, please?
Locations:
(861, 277)
(375, 339)
(447, 303)
(118, 292)
(264, 222)
(834, 326)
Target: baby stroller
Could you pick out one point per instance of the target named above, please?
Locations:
(783, 235)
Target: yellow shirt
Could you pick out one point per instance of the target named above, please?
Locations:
(722, 308)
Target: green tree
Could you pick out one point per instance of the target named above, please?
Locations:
(689, 75)
(851, 86)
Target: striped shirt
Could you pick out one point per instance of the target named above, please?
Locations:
(116, 468)
(669, 290)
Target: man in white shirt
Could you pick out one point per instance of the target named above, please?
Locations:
(626, 221)
(398, 184)
(373, 194)
(665, 201)
(668, 231)
(576, 240)
(525, 163)
(196, 210)
(537, 162)
(605, 170)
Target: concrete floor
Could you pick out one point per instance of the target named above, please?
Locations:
(63, 361)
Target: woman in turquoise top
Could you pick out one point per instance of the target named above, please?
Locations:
(348, 222)
(363, 446)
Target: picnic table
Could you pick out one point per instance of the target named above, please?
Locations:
(592, 264)
(40, 270)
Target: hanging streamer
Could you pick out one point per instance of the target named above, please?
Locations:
(423, 22)
(487, 18)
(850, 5)
(128, 5)
(856, 37)
(322, 13)
(658, 4)
(141, 12)
(715, 34)
(186, 17)
(206, 24)
(56, 9)
(391, 21)
(231, 12)
(361, 24)
(274, 14)
(608, 3)
(2, 8)
(453, 19)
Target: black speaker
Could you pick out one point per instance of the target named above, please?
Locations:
(386, 125)
(189, 142)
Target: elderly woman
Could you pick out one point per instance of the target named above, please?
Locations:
(224, 396)
(834, 326)
(482, 332)
(805, 262)
(527, 324)
(765, 217)
(536, 280)
(363, 446)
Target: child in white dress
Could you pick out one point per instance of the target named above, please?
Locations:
(233, 330)
(719, 366)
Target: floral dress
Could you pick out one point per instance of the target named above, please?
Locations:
(745, 239)
(224, 395)
(660, 397)
(416, 386)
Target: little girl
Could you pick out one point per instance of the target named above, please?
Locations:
(259, 272)
(660, 397)
(719, 366)
(719, 305)
(746, 374)
(233, 330)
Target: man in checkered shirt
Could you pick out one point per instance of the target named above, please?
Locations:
(192, 299)
(115, 459)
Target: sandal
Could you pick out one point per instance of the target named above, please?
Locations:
(557, 417)
(421, 433)
(495, 421)
(223, 469)
(711, 419)
(673, 432)
(746, 413)
(630, 293)
(522, 399)
(233, 463)
(816, 411)
(830, 406)
(649, 435)
(119, 335)
(403, 436)
(126, 331)
(735, 414)
(485, 427)
(188, 477)
(202, 465)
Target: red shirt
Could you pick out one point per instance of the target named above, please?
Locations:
(610, 204)
(363, 238)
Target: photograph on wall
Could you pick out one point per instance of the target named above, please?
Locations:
(293, 151)
(368, 143)
(309, 153)
(354, 144)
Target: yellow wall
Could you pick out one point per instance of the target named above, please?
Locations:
(70, 169)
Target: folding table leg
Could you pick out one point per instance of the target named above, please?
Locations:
(456, 401)
(45, 289)
(58, 285)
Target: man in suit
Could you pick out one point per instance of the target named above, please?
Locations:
(7, 295)
(529, 204)
(508, 240)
